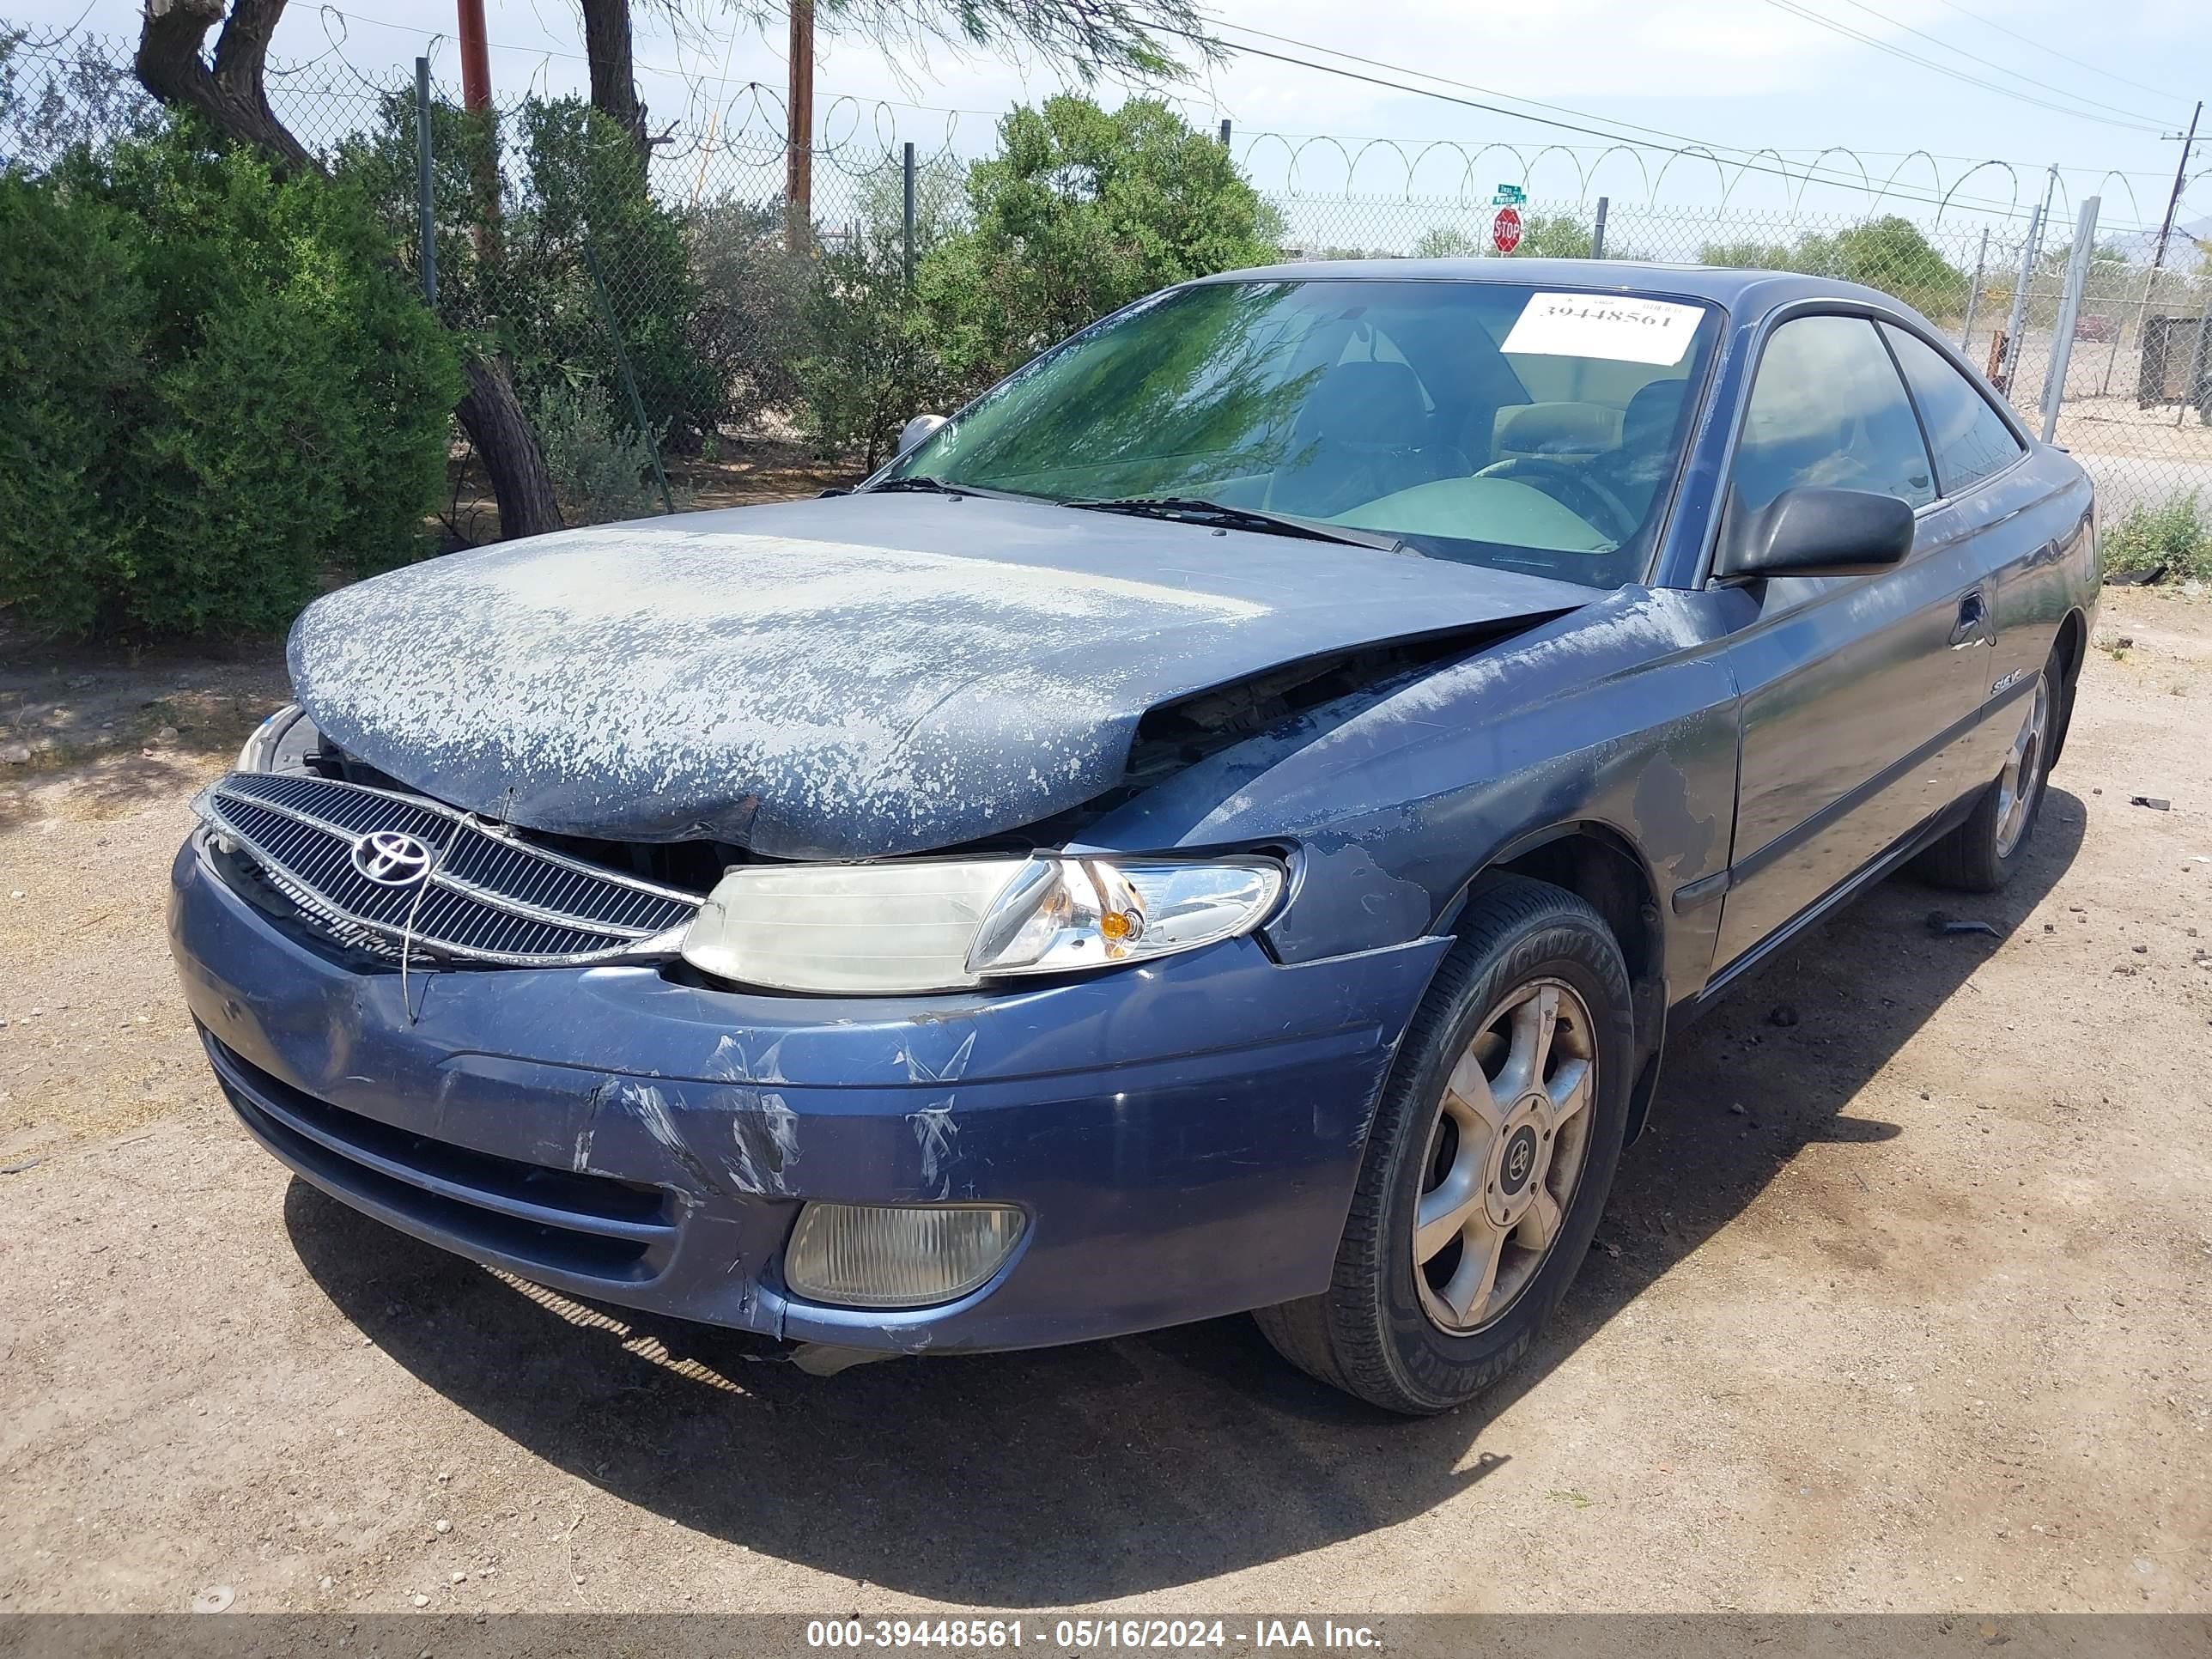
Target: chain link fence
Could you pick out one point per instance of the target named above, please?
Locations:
(654, 299)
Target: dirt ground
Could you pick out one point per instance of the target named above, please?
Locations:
(761, 467)
(1903, 1303)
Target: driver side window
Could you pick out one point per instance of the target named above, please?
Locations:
(1828, 408)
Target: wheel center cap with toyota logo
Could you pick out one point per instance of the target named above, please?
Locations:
(392, 857)
(1520, 1159)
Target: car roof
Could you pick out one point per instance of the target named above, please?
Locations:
(1744, 293)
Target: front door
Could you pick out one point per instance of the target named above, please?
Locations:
(1855, 693)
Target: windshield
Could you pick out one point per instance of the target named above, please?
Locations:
(1492, 422)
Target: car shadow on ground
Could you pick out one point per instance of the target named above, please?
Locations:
(1050, 1478)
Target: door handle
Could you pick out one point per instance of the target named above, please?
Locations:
(1973, 627)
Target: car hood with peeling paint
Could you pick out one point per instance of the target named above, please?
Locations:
(858, 676)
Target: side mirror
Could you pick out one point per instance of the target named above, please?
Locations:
(916, 429)
(1815, 531)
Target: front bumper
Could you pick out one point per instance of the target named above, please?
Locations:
(1183, 1136)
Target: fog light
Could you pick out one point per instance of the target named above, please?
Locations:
(876, 1255)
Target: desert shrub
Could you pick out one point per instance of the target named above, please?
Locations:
(746, 326)
(875, 363)
(2173, 540)
(600, 471)
(285, 408)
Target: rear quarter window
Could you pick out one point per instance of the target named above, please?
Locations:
(1970, 439)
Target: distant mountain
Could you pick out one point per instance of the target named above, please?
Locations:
(2141, 246)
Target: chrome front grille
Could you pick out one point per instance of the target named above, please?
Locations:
(487, 896)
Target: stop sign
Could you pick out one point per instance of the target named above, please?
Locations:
(1505, 230)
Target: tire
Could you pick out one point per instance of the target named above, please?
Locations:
(1980, 855)
(1385, 1330)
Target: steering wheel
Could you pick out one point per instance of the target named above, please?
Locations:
(1574, 489)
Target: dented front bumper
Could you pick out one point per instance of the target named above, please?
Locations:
(1183, 1137)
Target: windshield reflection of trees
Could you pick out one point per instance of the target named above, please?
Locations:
(1189, 393)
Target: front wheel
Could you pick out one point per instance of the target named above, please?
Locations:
(1980, 855)
(1492, 1152)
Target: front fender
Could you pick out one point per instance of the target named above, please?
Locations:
(1621, 714)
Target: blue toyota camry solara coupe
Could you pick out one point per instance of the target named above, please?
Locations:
(1225, 822)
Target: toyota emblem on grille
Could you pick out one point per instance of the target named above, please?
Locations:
(392, 857)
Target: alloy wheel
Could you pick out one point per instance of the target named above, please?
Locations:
(2017, 784)
(1505, 1152)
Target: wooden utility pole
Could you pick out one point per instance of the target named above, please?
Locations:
(476, 98)
(798, 178)
(2180, 178)
(476, 57)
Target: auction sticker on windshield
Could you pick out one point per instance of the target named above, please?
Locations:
(1629, 331)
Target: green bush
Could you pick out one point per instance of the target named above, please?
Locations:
(515, 257)
(2172, 541)
(284, 407)
(1890, 253)
(71, 383)
(584, 191)
(1080, 213)
(1543, 236)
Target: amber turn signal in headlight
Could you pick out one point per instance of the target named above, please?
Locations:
(1065, 914)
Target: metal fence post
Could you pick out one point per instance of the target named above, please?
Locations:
(2069, 307)
(425, 205)
(2120, 332)
(1974, 293)
(1597, 230)
(2029, 249)
(906, 212)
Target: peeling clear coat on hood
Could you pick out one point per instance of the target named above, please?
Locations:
(853, 677)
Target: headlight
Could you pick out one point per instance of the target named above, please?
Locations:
(949, 924)
(281, 743)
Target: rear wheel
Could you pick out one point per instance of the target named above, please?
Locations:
(1492, 1150)
(1980, 855)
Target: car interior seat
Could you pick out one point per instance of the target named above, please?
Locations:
(1634, 469)
(1555, 431)
(1365, 431)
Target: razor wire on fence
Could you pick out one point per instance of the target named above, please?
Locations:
(657, 303)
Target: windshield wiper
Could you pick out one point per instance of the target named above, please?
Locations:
(1193, 509)
(934, 486)
(939, 487)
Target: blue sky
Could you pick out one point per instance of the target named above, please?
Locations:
(1741, 74)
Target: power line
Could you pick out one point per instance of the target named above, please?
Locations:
(1464, 86)
(1683, 146)
(1960, 52)
(2063, 56)
(1860, 36)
